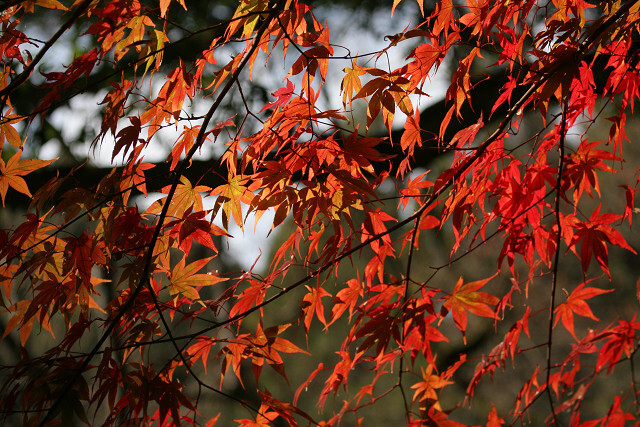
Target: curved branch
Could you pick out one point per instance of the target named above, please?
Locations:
(22, 77)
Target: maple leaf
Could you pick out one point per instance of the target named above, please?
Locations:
(576, 304)
(351, 82)
(7, 273)
(184, 279)
(379, 89)
(278, 343)
(465, 137)
(185, 197)
(26, 232)
(411, 136)
(346, 298)
(59, 81)
(193, 226)
(435, 418)
(9, 133)
(17, 320)
(494, 420)
(395, 4)
(358, 152)
(444, 11)
(283, 94)
(615, 415)
(201, 350)
(593, 236)
(339, 376)
(14, 169)
(466, 298)
(312, 304)
(137, 26)
(380, 328)
(231, 197)
(629, 207)
(426, 389)
(50, 4)
(115, 101)
(136, 172)
(264, 418)
(82, 253)
(127, 138)
(414, 189)
(251, 296)
(460, 88)
(374, 225)
(621, 339)
(425, 56)
(246, 16)
(582, 167)
(507, 90)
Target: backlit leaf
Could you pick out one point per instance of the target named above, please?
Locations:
(14, 169)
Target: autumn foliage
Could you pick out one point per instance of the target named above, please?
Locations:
(121, 284)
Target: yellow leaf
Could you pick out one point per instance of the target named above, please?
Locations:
(232, 196)
(351, 83)
(184, 280)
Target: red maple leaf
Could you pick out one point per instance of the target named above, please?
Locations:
(312, 303)
(283, 94)
(593, 236)
(576, 304)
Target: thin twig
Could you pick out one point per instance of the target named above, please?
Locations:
(556, 261)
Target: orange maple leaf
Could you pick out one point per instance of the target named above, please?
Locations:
(426, 389)
(346, 298)
(466, 298)
(312, 303)
(11, 173)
